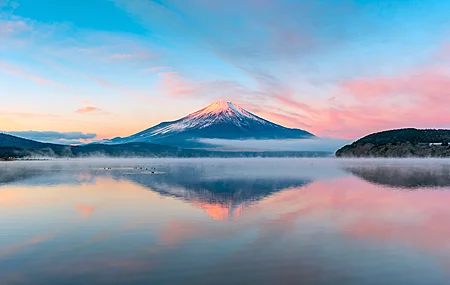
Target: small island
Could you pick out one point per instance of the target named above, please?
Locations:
(408, 142)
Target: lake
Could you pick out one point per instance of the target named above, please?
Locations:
(225, 221)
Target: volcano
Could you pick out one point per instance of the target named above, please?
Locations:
(220, 120)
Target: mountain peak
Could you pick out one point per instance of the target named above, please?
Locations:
(220, 108)
(221, 105)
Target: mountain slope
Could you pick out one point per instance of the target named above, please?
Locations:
(16, 146)
(13, 141)
(220, 120)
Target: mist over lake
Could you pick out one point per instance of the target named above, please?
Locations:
(225, 221)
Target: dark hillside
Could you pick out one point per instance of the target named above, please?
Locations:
(400, 143)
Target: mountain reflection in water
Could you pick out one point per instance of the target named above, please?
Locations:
(251, 221)
(221, 198)
(221, 190)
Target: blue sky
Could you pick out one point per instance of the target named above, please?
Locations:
(339, 68)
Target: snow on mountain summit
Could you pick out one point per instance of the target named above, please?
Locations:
(223, 111)
(222, 108)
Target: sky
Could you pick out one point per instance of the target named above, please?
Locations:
(79, 70)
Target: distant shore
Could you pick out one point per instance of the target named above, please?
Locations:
(402, 143)
(24, 159)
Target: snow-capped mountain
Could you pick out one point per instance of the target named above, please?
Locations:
(221, 120)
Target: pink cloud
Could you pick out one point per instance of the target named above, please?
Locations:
(285, 100)
(365, 105)
(423, 85)
(417, 99)
(90, 109)
(86, 110)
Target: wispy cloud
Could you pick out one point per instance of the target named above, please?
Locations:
(98, 80)
(174, 85)
(280, 116)
(158, 68)
(86, 110)
(17, 71)
(129, 56)
(122, 56)
(91, 110)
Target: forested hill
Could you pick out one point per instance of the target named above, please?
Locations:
(13, 141)
(411, 135)
(400, 143)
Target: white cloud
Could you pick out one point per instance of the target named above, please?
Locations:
(317, 144)
(55, 137)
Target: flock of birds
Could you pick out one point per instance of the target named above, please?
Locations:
(138, 168)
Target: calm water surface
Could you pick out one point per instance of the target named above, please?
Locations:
(225, 221)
